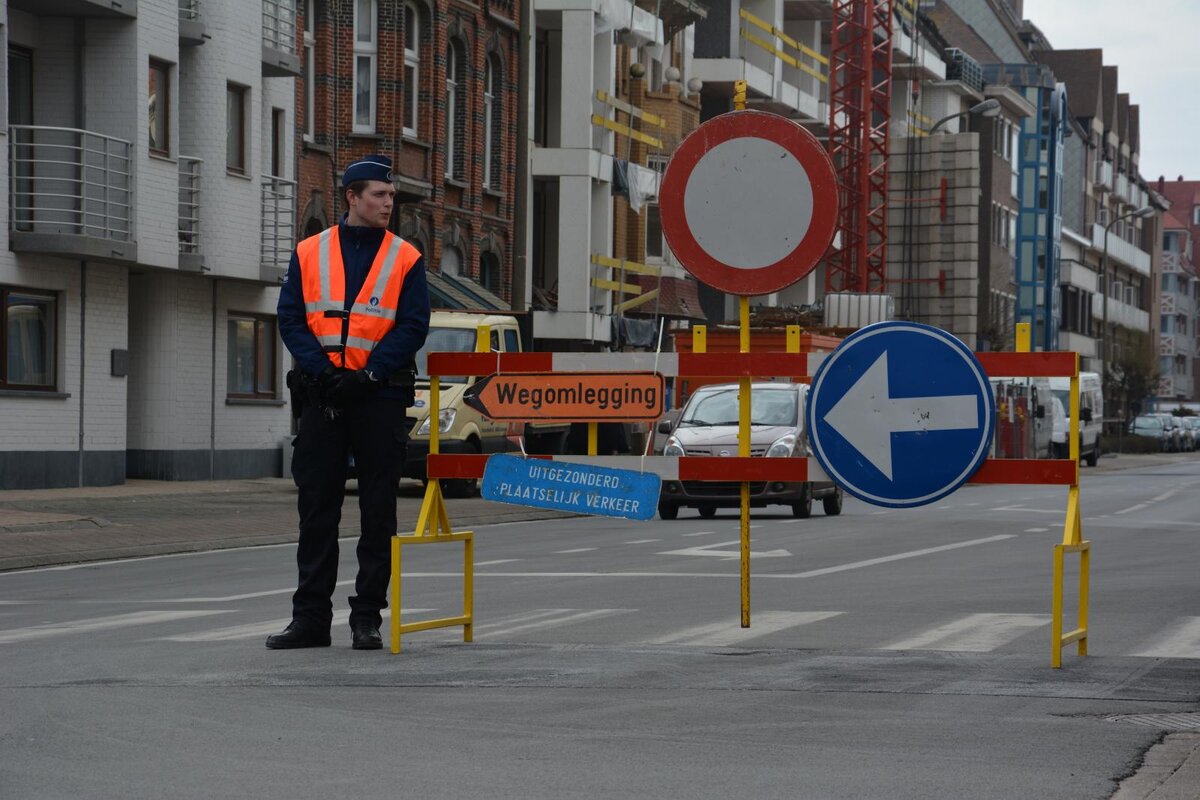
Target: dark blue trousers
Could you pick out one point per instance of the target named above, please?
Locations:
(375, 432)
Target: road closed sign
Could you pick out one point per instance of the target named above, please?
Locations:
(749, 202)
(569, 396)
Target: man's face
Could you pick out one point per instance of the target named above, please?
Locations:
(373, 207)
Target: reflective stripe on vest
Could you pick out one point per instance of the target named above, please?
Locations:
(348, 337)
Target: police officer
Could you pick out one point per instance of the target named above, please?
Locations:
(353, 311)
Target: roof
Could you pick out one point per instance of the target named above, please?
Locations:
(458, 292)
(1123, 118)
(955, 30)
(1172, 222)
(1080, 70)
(1134, 128)
(1109, 98)
(677, 297)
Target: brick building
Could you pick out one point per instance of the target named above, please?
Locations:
(433, 85)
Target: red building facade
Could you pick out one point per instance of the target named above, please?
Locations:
(433, 85)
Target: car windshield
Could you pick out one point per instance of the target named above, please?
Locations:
(445, 340)
(720, 407)
(1147, 423)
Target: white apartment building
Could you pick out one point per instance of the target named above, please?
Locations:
(150, 216)
(1179, 316)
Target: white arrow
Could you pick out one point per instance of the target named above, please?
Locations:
(710, 550)
(867, 416)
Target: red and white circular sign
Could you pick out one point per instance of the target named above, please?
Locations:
(749, 202)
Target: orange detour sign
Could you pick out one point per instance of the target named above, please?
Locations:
(569, 396)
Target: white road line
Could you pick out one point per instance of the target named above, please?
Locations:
(232, 598)
(870, 562)
(255, 630)
(643, 541)
(1180, 640)
(722, 634)
(1131, 509)
(1036, 530)
(51, 629)
(496, 561)
(575, 550)
(974, 633)
(1030, 510)
(551, 618)
(700, 533)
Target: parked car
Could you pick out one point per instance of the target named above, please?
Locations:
(1091, 412)
(708, 426)
(1191, 431)
(1058, 428)
(1152, 426)
(1174, 431)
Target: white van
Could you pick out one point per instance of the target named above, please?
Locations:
(1091, 412)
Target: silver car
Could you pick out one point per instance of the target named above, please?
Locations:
(708, 426)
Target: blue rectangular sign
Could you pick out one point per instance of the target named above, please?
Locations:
(560, 485)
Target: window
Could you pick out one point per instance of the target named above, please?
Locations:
(489, 272)
(451, 261)
(1196, 215)
(656, 249)
(158, 107)
(235, 128)
(28, 336)
(412, 65)
(455, 116)
(251, 356)
(310, 66)
(20, 112)
(365, 46)
(492, 122)
(278, 142)
(20, 86)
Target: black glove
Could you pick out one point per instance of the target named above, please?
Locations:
(347, 388)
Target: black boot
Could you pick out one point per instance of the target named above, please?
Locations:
(366, 636)
(299, 634)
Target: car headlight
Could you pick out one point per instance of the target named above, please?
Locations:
(782, 447)
(673, 447)
(445, 422)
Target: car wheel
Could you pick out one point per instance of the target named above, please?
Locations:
(803, 509)
(667, 510)
(832, 503)
(462, 487)
(1094, 455)
(708, 512)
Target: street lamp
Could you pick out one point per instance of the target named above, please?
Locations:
(988, 108)
(1141, 213)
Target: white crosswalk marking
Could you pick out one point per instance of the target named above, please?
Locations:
(721, 634)
(52, 629)
(974, 633)
(255, 630)
(1180, 640)
(541, 619)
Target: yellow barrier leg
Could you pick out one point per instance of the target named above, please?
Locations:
(469, 589)
(395, 595)
(1085, 565)
(1057, 609)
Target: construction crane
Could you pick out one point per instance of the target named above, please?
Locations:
(860, 89)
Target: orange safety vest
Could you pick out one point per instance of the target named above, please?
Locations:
(373, 314)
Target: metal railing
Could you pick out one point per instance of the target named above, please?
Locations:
(279, 25)
(189, 9)
(189, 204)
(278, 221)
(70, 181)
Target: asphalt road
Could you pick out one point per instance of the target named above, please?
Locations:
(898, 654)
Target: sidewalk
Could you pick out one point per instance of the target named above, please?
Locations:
(42, 527)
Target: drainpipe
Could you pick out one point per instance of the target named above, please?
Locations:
(521, 210)
(212, 391)
(81, 123)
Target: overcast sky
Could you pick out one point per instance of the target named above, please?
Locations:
(1153, 42)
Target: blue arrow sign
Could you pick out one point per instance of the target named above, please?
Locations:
(583, 488)
(900, 414)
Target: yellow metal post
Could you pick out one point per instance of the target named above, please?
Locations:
(1072, 542)
(739, 95)
(1024, 337)
(395, 595)
(593, 438)
(744, 452)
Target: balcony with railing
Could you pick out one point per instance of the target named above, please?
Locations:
(279, 59)
(191, 256)
(70, 193)
(1119, 313)
(1120, 250)
(278, 226)
(191, 22)
(126, 9)
(1102, 174)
